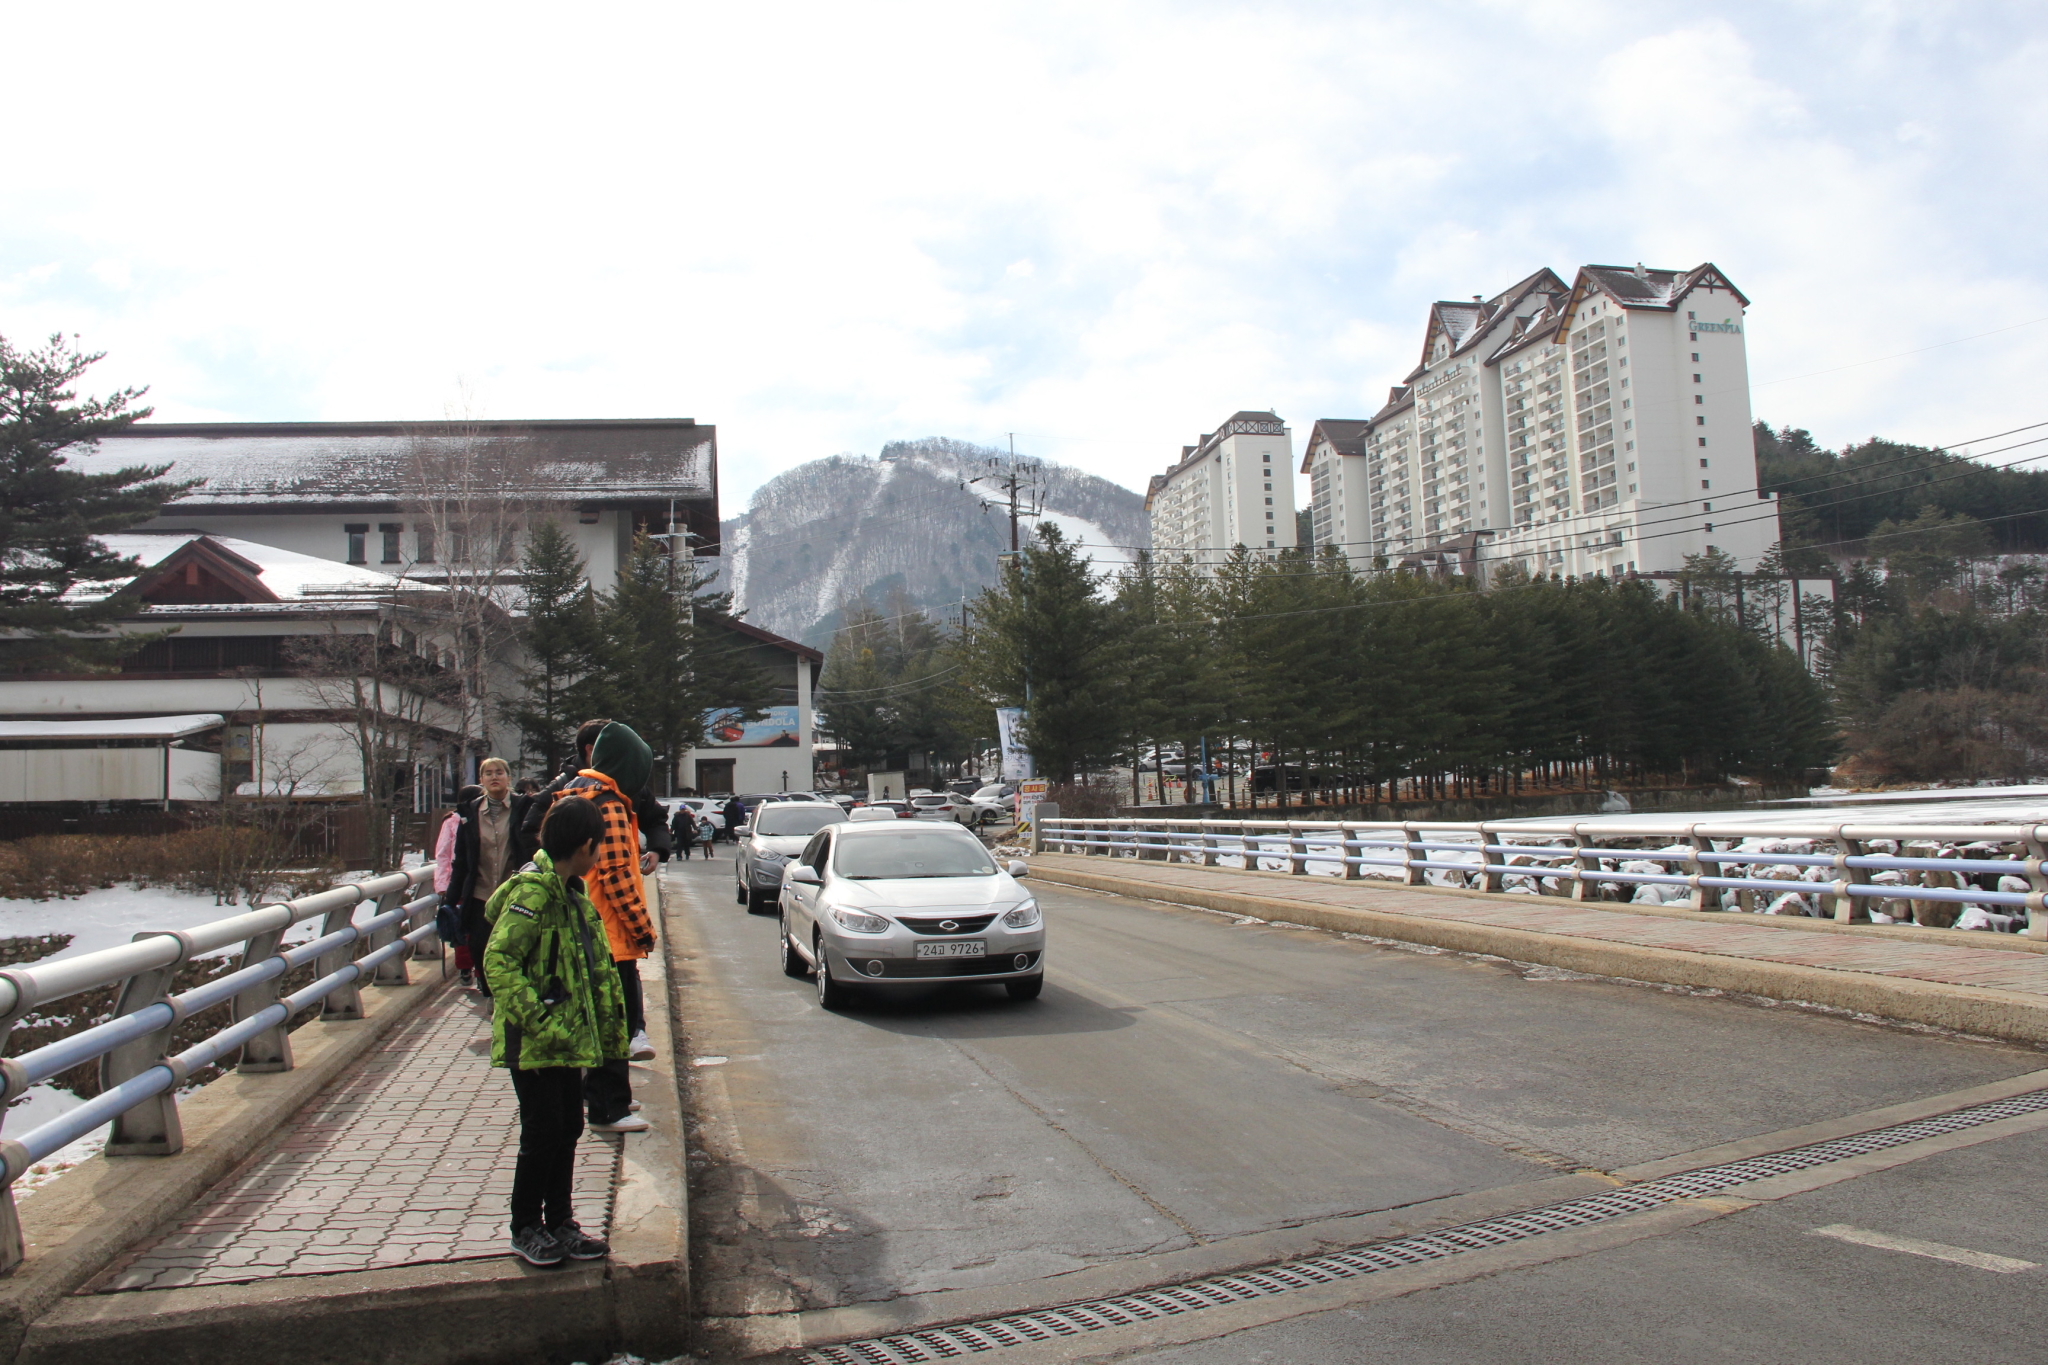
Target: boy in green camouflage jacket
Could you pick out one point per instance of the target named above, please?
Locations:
(556, 1009)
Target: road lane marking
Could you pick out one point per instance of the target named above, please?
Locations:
(1914, 1246)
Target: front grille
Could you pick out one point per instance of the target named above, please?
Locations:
(993, 965)
(971, 924)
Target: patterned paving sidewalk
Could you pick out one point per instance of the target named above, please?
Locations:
(1740, 936)
(406, 1159)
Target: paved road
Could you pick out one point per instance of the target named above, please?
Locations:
(1188, 1086)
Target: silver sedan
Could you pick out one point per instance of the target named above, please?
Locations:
(904, 904)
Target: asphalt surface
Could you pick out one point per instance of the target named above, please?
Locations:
(1756, 1287)
(1186, 1079)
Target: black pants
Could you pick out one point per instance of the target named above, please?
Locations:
(476, 936)
(550, 1122)
(608, 1089)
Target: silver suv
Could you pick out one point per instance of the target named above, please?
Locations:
(776, 833)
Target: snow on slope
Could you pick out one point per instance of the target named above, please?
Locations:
(905, 526)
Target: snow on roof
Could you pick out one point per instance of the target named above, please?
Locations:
(129, 727)
(295, 578)
(249, 464)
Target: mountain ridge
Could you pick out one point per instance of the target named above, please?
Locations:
(900, 526)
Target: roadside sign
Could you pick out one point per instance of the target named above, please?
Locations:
(1029, 793)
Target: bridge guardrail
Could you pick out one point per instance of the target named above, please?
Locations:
(1851, 871)
(138, 1078)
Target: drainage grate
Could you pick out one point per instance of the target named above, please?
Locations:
(946, 1343)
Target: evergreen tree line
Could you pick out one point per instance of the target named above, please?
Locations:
(1831, 499)
(651, 651)
(1936, 642)
(1364, 685)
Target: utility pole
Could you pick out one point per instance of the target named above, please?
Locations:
(1013, 492)
(1010, 483)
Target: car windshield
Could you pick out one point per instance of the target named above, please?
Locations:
(786, 818)
(911, 853)
(988, 794)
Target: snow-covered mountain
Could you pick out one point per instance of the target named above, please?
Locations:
(820, 534)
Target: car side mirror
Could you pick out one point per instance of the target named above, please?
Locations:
(804, 873)
(1019, 868)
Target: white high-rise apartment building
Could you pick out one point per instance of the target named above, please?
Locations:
(1339, 502)
(1601, 427)
(1233, 487)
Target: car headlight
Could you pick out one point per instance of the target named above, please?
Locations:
(855, 922)
(1023, 917)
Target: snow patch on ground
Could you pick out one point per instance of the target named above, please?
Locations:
(110, 916)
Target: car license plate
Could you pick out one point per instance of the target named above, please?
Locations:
(966, 947)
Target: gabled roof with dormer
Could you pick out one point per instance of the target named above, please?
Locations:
(1345, 435)
(1400, 398)
(1640, 287)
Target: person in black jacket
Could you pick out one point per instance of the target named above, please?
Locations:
(646, 810)
(485, 842)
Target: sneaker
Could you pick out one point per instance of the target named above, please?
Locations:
(640, 1050)
(579, 1245)
(634, 1106)
(537, 1246)
(466, 979)
(624, 1123)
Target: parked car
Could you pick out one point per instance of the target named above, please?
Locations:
(996, 791)
(900, 808)
(990, 812)
(878, 905)
(776, 834)
(703, 807)
(943, 806)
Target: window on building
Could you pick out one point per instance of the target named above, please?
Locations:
(1269, 502)
(1699, 400)
(423, 537)
(1699, 421)
(1706, 483)
(1703, 462)
(1703, 440)
(1692, 317)
(358, 542)
(1695, 360)
(389, 531)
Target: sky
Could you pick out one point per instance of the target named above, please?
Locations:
(1101, 227)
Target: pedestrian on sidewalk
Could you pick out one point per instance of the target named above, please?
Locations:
(557, 1012)
(645, 808)
(483, 858)
(620, 762)
(444, 840)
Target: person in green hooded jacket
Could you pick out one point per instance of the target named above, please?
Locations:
(557, 1012)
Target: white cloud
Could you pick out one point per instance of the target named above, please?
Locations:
(1103, 227)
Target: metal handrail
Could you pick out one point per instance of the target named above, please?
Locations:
(138, 1078)
(1713, 858)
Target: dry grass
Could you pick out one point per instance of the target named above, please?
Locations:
(233, 864)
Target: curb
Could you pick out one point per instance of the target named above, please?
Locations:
(1966, 1009)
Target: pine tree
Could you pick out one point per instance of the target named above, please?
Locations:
(51, 515)
(1045, 631)
(669, 670)
(562, 644)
